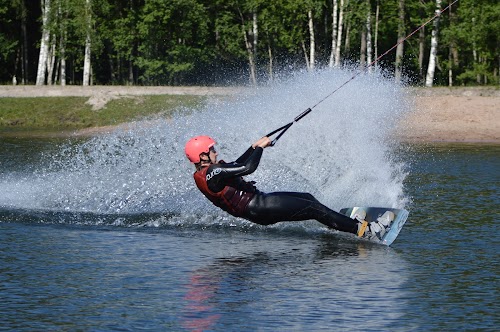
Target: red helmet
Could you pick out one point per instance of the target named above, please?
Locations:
(197, 145)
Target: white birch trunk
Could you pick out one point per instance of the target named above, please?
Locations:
(88, 45)
(347, 40)
(304, 49)
(57, 71)
(369, 37)
(434, 45)
(251, 60)
(421, 52)
(474, 52)
(51, 60)
(44, 43)
(339, 34)
(400, 48)
(62, 45)
(86, 62)
(250, 48)
(63, 59)
(362, 49)
(334, 33)
(450, 68)
(474, 56)
(255, 35)
(312, 42)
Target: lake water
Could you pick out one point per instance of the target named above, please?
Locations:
(81, 271)
(110, 234)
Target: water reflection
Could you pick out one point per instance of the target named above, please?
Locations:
(199, 312)
(332, 283)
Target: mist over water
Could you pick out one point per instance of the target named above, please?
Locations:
(342, 153)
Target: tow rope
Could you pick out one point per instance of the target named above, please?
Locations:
(284, 128)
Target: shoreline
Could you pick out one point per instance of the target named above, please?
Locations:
(452, 118)
(440, 114)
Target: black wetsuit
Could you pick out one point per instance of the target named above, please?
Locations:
(270, 208)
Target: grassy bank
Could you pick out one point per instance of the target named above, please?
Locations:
(462, 114)
(24, 115)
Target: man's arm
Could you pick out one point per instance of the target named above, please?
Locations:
(263, 143)
(243, 158)
(246, 164)
(218, 173)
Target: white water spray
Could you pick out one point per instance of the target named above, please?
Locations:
(342, 153)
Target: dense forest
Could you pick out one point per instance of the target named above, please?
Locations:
(217, 42)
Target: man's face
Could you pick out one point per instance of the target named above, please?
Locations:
(213, 155)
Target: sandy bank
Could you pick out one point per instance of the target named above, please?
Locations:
(453, 115)
(439, 114)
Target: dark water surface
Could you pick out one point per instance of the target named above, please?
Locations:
(67, 270)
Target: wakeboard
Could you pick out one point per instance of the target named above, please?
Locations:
(375, 213)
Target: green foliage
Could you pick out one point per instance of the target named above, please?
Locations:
(476, 34)
(182, 41)
(8, 37)
(172, 35)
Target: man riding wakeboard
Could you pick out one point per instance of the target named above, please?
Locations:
(223, 184)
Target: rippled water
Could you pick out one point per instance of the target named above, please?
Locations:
(138, 272)
(109, 234)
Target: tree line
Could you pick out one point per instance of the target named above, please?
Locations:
(205, 42)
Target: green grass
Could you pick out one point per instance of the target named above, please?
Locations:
(71, 113)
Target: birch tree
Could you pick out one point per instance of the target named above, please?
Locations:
(44, 43)
(62, 51)
(421, 52)
(270, 30)
(251, 58)
(312, 42)
(62, 36)
(434, 45)
(474, 50)
(255, 32)
(88, 43)
(249, 33)
(452, 51)
(369, 50)
(347, 39)
(365, 47)
(377, 12)
(401, 36)
(339, 34)
(362, 48)
(334, 33)
(51, 59)
(199, 41)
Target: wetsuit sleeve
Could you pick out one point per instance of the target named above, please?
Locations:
(218, 174)
(242, 159)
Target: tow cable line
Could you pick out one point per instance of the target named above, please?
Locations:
(284, 128)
